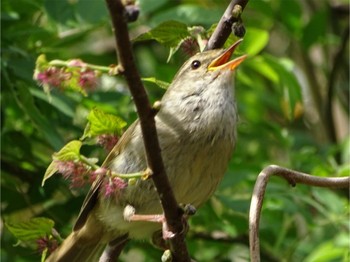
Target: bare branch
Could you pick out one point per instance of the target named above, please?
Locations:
(223, 29)
(154, 159)
(293, 177)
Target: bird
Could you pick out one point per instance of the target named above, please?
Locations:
(196, 128)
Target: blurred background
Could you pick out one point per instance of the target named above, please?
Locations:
(293, 101)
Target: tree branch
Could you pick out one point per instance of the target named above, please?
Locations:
(293, 177)
(154, 159)
(223, 29)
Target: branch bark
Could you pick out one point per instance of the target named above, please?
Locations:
(293, 177)
(126, 60)
(223, 29)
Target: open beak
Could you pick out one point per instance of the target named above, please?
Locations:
(222, 62)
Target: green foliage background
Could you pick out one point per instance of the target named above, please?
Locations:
(297, 70)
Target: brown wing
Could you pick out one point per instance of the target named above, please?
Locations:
(92, 196)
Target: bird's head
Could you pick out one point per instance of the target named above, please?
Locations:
(207, 68)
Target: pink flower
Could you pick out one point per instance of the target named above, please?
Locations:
(113, 186)
(52, 76)
(107, 141)
(76, 172)
(88, 80)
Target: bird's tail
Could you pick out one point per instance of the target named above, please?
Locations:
(76, 248)
(86, 244)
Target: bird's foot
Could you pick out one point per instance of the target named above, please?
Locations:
(129, 215)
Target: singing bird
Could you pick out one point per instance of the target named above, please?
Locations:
(196, 127)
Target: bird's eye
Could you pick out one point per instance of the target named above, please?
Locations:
(195, 64)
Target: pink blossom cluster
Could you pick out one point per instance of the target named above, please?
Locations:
(75, 76)
(80, 174)
(52, 76)
(88, 80)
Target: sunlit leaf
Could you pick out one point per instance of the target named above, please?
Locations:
(70, 151)
(327, 251)
(103, 123)
(50, 171)
(254, 41)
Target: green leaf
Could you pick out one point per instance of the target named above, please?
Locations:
(169, 33)
(33, 229)
(327, 251)
(102, 123)
(254, 41)
(50, 171)
(70, 151)
(160, 83)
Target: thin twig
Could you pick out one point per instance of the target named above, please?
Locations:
(154, 159)
(223, 29)
(293, 177)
